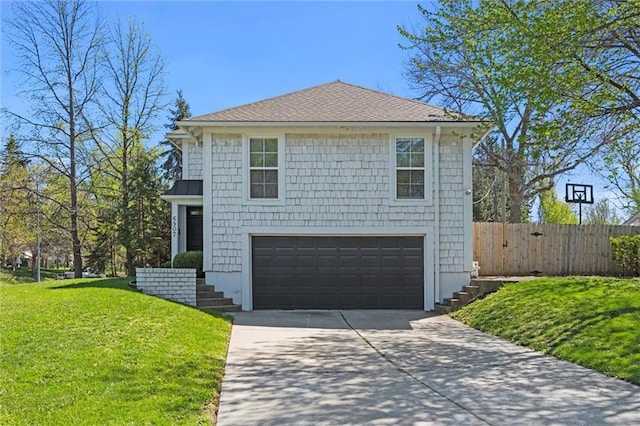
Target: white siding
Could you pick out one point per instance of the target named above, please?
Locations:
(452, 193)
(333, 181)
(194, 162)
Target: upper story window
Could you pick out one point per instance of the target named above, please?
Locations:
(264, 173)
(263, 163)
(410, 168)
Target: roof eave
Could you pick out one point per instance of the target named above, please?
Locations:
(376, 124)
(182, 198)
(177, 139)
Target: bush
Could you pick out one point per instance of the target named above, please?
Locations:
(625, 251)
(189, 259)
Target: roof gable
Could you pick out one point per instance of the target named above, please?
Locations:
(332, 102)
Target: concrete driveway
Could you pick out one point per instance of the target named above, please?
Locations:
(403, 367)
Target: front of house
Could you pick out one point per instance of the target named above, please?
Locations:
(333, 197)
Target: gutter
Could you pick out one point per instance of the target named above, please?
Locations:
(436, 205)
(340, 124)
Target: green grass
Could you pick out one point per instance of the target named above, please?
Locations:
(591, 321)
(92, 351)
(24, 275)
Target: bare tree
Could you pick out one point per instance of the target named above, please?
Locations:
(58, 43)
(133, 97)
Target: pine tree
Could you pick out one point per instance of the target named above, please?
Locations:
(172, 166)
(16, 230)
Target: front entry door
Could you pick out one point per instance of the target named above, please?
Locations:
(194, 228)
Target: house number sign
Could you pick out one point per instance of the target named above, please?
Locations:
(174, 225)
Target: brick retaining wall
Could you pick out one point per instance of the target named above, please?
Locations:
(175, 284)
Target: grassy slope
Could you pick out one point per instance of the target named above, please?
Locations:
(91, 351)
(591, 321)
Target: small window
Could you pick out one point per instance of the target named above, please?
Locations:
(410, 168)
(263, 168)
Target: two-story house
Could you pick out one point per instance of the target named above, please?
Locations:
(332, 197)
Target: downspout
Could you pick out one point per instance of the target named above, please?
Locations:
(436, 205)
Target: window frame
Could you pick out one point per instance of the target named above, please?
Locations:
(427, 169)
(246, 166)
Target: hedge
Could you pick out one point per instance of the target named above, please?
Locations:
(625, 251)
(189, 259)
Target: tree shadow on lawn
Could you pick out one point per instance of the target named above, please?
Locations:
(123, 284)
(24, 275)
(116, 283)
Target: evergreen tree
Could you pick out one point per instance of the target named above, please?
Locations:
(172, 166)
(16, 228)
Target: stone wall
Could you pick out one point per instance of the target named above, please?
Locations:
(175, 284)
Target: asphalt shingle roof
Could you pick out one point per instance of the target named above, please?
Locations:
(333, 102)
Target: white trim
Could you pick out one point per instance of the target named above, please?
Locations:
(428, 171)
(246, 290)
(332, 130)
(431, 287)
(427, 232)
(467, 187)
(246, 198)
(340, 124)
(175, 231)
(207, 205)
(187, 200)
(177, 139)
(436, 209)
(182, 229)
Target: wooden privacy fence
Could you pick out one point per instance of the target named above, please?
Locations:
(548, 249)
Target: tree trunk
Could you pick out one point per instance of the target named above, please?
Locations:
(516, 199)
(131, 264)
(73, 178)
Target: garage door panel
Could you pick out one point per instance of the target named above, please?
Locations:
(327, 261)
(412, 261)
(338, 272)
(305, 261)
(349, 261)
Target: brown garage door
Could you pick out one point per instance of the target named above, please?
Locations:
(338, 273)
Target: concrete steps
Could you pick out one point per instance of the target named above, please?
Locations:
(210, 300)
(477, 288)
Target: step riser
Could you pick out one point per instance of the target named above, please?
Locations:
(210, 300)
(477, 288)
(206, 303)
(473, 289)
(463, 296)
(233, 308)
(209, 294)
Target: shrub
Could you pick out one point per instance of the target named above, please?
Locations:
(625, 251)
(189, 259)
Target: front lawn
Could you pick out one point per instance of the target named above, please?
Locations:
(591, 321)
(92, 351)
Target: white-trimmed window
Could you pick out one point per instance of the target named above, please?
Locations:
(263, 168)
(410, 168)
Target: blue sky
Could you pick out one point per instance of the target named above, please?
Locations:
(224, 54)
